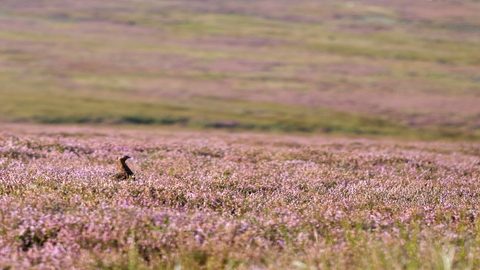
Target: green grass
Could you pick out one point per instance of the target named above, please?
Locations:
(207, 113)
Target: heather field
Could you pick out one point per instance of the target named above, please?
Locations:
(217, 200)
(263, 134)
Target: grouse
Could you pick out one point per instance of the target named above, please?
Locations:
(124, 171)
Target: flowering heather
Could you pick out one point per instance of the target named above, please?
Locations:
(205, 200)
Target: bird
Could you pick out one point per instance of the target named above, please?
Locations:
(124, 172)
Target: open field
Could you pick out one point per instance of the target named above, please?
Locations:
(211, 200)
(404, 68)
(271, 134)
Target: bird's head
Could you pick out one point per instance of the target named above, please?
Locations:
(124, 158)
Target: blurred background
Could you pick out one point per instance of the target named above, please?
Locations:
(373, 67)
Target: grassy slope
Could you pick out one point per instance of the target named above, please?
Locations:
(270, 66)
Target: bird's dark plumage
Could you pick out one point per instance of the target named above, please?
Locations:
(124, 172)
